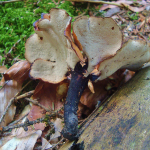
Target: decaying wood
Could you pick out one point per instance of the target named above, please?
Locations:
(123, 120)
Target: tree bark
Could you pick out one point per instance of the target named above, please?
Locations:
(122, 122)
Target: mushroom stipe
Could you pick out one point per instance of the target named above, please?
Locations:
(76, 88)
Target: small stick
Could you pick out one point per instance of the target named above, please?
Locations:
(5, 2)
(37, 103)
(57, 143)
(99, 2)
(14, 46)
(88, 6)
(26, 123)
(12, 101)
(15, 122)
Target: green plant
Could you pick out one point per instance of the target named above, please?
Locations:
(132, 16)
(17, 19)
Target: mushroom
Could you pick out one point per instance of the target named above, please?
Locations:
(132, 56)
(93, 53)
(100, 40)
(48, 49)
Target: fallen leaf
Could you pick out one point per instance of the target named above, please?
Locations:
(58, 125)
(26, 143)
(49, 95)
(45, 144)
(90, 85)
(11, 84)
(126, 4)
(134, 9)
(35, 113)
(103, 89)
(3, 69)
(19, 71)
(112, 11)
(8, 91)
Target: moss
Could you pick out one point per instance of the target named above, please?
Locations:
(17, 23)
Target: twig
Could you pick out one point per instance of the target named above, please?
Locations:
(57, 144)
(12, 101)
(14, 45)
(5, 2)
(27, 123)
(99, 2)
(88, 6)
(54, 2)
(143, 37)
(8, 54)
(15, 122)
(24, 125)
(28, 94)
(37, 103)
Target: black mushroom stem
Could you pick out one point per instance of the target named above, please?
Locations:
(77, 85)
(76, 88)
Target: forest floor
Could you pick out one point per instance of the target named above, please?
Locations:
(16, 26)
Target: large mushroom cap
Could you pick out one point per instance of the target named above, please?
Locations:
(48, 49)
(132, 56)
(100, 38)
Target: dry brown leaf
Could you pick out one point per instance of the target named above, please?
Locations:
(50, 96)
(15, 76)
(83, 111)
(103, 89)
(26, 143)
(134, 9)
(126, 4)
(35, 113)
(3, 69)
(58, 125)
(19, 71)
(19, 138)
(8, 91)
(45, 144)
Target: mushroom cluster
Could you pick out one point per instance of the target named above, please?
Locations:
(94, 51)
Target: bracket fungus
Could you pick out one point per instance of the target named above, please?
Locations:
(93, 53)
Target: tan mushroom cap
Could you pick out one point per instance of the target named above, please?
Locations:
(49, 50)
(131, 56)
(100, 38)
